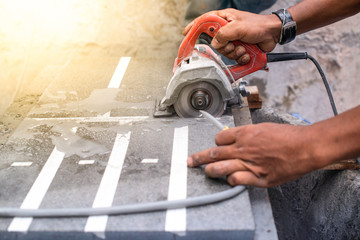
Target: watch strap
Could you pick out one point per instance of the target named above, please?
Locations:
(288, 27)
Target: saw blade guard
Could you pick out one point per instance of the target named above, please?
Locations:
(199, 83)
(199, 96)
(198, 69)
(210, 25)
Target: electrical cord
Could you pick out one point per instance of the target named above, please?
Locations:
(278, 57)
(124, 209)
(332, 102)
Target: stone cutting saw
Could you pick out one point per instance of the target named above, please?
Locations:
(202, 81)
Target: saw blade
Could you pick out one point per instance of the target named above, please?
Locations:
(199, 96)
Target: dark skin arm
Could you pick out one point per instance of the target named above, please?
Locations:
(269, 154)
(264, 30)
(310, 14)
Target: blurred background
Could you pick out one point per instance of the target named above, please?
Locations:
(40, 38)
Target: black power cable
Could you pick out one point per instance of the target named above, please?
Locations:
(332, 102)
(278, 57)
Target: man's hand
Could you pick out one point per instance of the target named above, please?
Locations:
(263, 30)
(269, 154)
(261, 155)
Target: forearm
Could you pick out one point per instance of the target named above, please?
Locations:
(337, 138)
(312, 14)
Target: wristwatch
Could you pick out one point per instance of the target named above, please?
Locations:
(288, 27)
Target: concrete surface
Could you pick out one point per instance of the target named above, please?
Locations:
(75, 185)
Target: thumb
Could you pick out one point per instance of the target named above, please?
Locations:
(225, 35)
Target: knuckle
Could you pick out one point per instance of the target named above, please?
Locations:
(238, 151)
(259, 171)
(214, 154)
(218, 169)
(250, 132)
(214, 170)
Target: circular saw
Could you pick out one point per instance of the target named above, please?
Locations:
(201, 80)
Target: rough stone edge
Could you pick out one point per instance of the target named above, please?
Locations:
(324, 204)
(270, 115)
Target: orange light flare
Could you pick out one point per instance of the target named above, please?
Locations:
(39, 33)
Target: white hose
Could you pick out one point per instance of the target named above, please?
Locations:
(124, 209)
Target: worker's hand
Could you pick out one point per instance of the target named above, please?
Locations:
(263, 30)
(261, 155)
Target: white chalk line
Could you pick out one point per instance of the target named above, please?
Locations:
(119, 72)
(150, 160)
(21, 164)
(121, 120)
(176, 218)
(86, 162)
(106, 191)
(38, 190)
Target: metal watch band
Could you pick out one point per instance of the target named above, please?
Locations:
(288, 27)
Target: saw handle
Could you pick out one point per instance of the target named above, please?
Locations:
(210, 24)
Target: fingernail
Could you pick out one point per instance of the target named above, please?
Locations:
(190, 161)
(239, 52)
(229, 48)
(245, 59)
(215, 43)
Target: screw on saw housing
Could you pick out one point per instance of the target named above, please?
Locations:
(242, 88)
